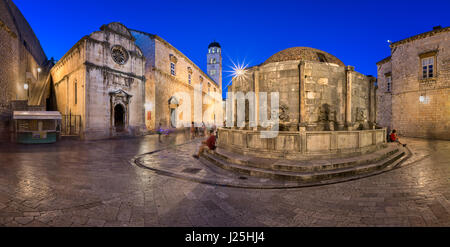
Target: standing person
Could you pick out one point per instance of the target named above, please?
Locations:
(394, 138)
(159, 132)
(197, 132)
(210, 143)
(192, 130)
(203, 129)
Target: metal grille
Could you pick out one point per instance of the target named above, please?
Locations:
(70, 125)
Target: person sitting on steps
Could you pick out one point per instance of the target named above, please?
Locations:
(394, 138)
(209, 143)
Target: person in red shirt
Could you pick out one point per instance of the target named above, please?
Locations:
(394, 138)
(209, 143)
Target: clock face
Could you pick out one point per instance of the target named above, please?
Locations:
(119, 54)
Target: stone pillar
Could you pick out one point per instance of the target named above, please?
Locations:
(256, 80)
(233, 102)
(348, 102)
(372, 99)
(301, 96)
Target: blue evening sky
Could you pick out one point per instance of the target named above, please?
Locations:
(354, 31)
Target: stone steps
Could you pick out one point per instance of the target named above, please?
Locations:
(370, 164)
(307, 165)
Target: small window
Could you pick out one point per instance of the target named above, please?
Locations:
(321, 57)
(388, 83)
(215, 90)
(75, 92)
(428, 67)
(172, 68)
(189, 79)
(212, 72)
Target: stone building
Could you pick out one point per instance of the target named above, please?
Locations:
(413, 93)
(168, 72)
(101, 79)
(317, 91)
(24, 66)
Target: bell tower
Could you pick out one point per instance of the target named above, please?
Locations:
(214, 62)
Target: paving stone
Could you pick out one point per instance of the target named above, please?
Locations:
(23, 220)
(96, 222)
(96, 186)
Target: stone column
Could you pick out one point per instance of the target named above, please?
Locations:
(233, 102)
(301, 96)
(372, 99)
(348, 102)
(256, 80)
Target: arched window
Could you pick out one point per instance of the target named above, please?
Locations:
(172, 68)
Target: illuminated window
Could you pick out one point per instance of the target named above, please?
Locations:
(172, 68)
(424, 99)
(428, 67)
(388, 83)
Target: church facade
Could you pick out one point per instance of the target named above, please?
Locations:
(414, 86)
(101, 79)
(119, 81)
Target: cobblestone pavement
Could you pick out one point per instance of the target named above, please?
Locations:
(94, 184)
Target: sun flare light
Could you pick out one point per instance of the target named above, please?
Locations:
(238, 71)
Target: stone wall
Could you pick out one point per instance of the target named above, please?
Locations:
(324, 95)
(302, 144)
(313, 94)
(384, 97)
(161, 85)
(420, 107)
(20, 56)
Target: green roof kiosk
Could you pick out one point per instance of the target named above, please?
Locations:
(32, 127)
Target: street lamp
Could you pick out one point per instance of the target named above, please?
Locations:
(26, 86)
(39, 71)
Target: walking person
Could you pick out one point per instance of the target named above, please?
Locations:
(210, 144)
(159, 131)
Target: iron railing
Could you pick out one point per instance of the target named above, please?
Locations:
(70, 125)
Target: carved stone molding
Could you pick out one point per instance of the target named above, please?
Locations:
(173, 59)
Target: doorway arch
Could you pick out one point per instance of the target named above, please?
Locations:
(173, 105)
(119, 118)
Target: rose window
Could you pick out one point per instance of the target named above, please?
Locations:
(119, 54)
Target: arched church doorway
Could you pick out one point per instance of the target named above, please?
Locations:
(119, 118)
